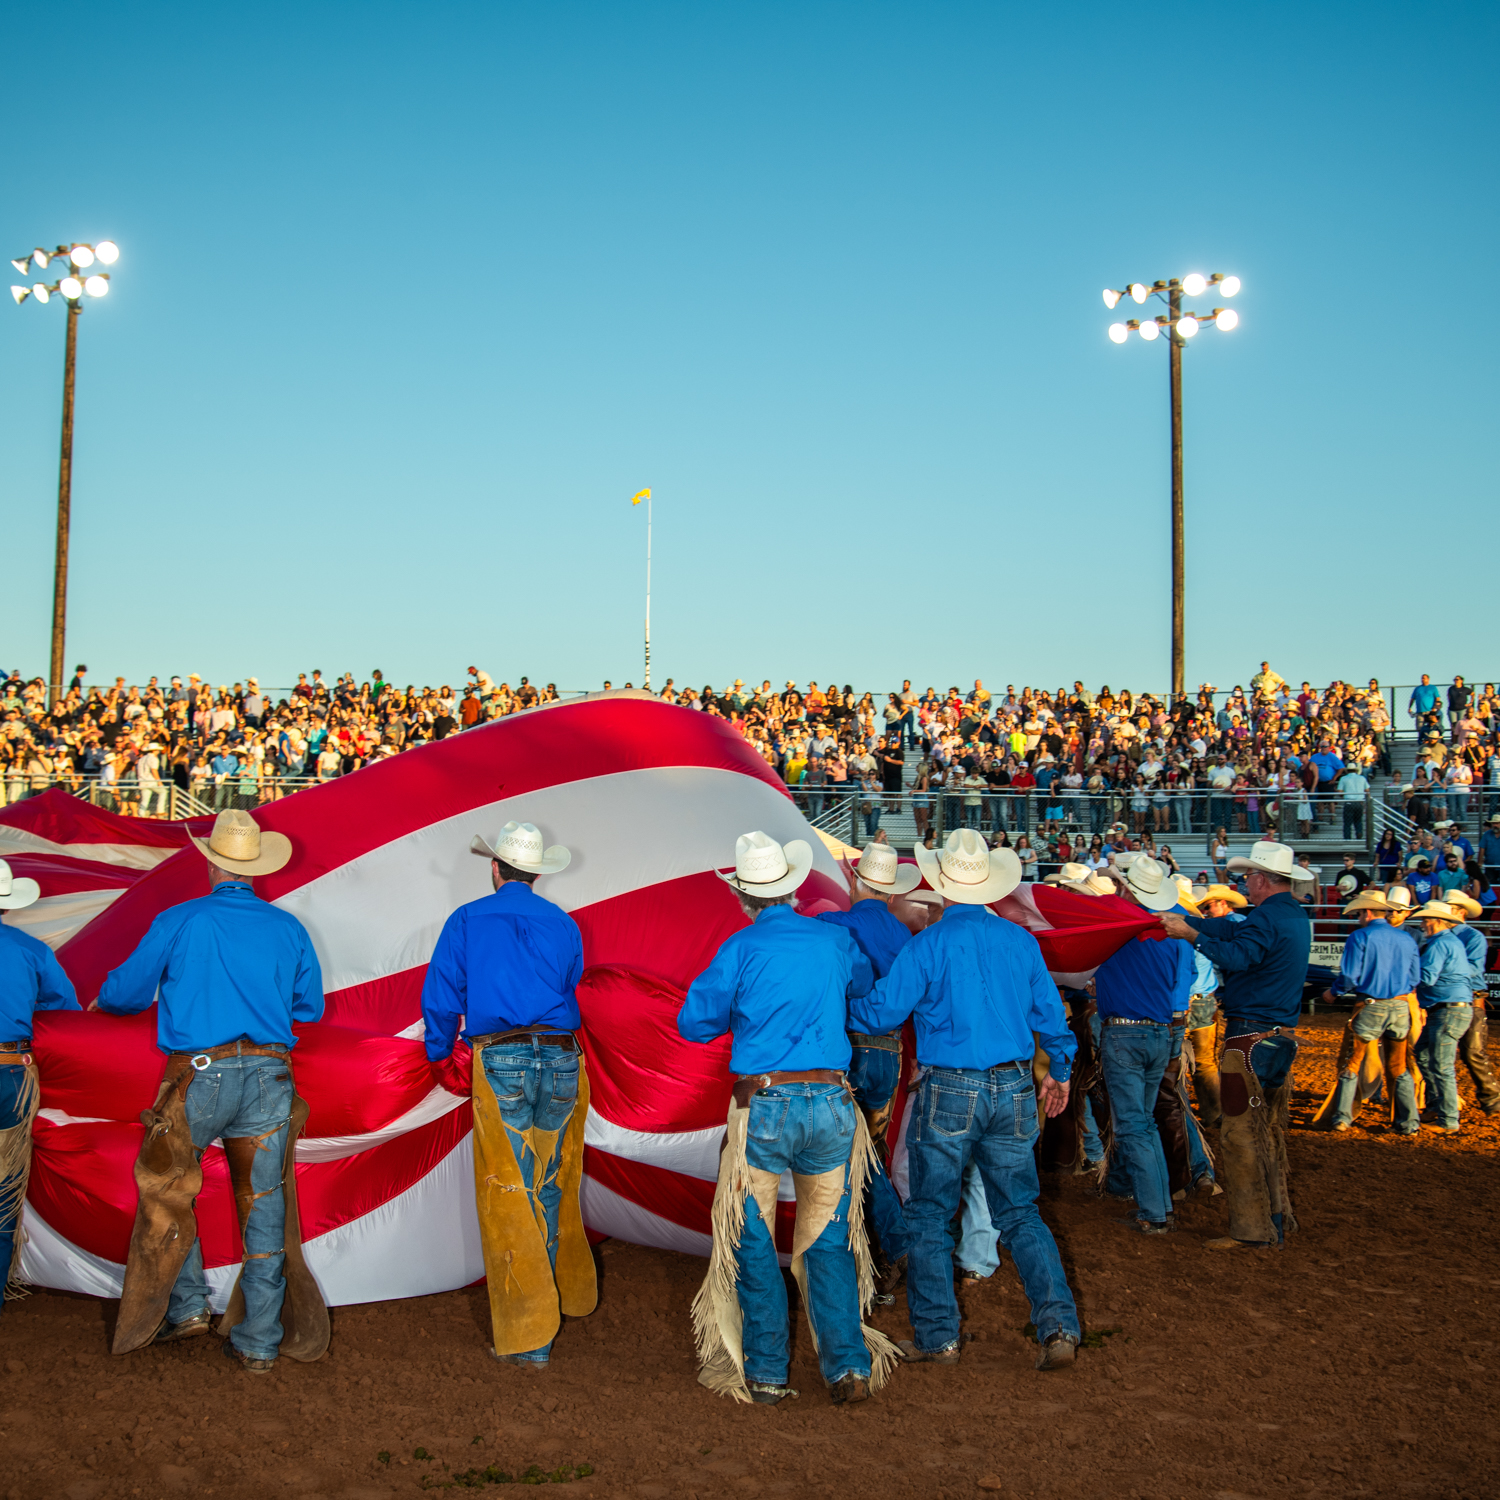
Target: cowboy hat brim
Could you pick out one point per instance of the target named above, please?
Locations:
(1437, 911)
(23, 892)
(908, 878)
(554, 858)
(1163, 898)
(1465, 903)
(799, 860)
(1240, 863)
(275, 851)
(1004, 877)
(1367, 901)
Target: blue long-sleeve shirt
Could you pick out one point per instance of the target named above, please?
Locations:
(782, 987)
(510, 959)
(976, 989)
(1448, 975)
(1148, 979)
(230, 967)
(879, 935)
(1477, 949)
(31, 979)
(1263, 962)
(1380, 961)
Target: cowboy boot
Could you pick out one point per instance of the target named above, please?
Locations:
(1206, 1074)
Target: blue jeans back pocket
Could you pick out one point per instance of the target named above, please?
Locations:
(950, 1111)
(767, 1116)
(1024, 1106)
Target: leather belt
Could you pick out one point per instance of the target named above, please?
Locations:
(24, 1046)
(555, 1038)
(754, 1082)
(201, 1060)
(15, 1059)
(1127, 1021)
(879, 1043)
(1444, 1004)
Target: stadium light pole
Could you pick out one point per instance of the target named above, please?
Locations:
(1179, 327)
(72, 289)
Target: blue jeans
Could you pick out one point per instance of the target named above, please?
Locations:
(987, 1116)
(1271, 1059)
(872, 819)
(242, 1096)
(873, 1075)
(804, 1128)
(11, 1079)
(976, 1249)
(1134, 1059)
(1379, 1018)
(1437, 1050)
(535, 1085)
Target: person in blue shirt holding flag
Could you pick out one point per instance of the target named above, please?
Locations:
(875, 1068)
(783, 988)
(507, 967)
(1445, 992)
(1380, 969)
(232, 973)
(31, 979)
(979, 995)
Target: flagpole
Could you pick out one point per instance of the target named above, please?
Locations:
(648, 593)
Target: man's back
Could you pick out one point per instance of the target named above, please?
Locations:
(880, 935)
(30, 978)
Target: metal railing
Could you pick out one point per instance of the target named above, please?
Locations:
(132, 798)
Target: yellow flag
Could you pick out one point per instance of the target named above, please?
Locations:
(644, 495)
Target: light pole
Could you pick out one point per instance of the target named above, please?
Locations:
(636, 500)
(1179, 327)
(72, 290)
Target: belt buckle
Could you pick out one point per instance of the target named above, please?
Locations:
(200, 1061)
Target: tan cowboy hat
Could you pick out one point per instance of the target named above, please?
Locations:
(1439, 911)
(237, 844)
(879, 869)
(968, 871)
(1150, 884)
(1077, 877)
(1271, 859)
(16, 891)
(520, 847)
(1217, 892)
(1367, 901)
(762, 867)
(1465, 903)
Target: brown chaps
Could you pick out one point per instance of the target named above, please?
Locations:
(1252, 1150)
(168, 1178)
(1473, 1049)
(1205, 1040)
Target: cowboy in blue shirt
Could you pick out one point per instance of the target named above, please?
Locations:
(875, 1068)
(1380, 968)
(977, 989)
(31, 979)
(1263, 961)
(507, 966)
(1473, 1046)
(230, 974)
(1445, 992)
(1143, 991)
(782, 988)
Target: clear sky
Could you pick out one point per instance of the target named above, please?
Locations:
(412, 299)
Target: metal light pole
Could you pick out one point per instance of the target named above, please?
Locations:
(1179, 327)
(77, 258)
(636, 500)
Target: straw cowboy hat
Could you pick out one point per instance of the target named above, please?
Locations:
(968, 871)
(1149, 883)
(1217, 892)
(1367, 901)
(1271, 859)
(879, 869)
(520, 847)
(1080, 878)
(762, 867)
(1185, 894)
(1465, 903)
(238, 845)
(16, 891)
(1438, 911)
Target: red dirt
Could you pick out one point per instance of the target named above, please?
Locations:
(1359, 1361)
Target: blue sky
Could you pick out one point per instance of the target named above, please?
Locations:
(411, 300)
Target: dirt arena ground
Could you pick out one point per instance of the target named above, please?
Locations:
(1361, 1360)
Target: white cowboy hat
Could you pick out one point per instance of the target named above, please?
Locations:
(1185, 894)
(1440, 911)
(520, 846)
(879, 869)
(1080, 878)
(1271, 859)
(1347, 884)
(1465, 903)
(1367, 901)
(1398, 897)
(762, 867)
(967, 871)
(237, 844)
(1150, 884)
(16, 891)
(1418, 859)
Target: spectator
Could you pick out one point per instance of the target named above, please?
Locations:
(1356, 787)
